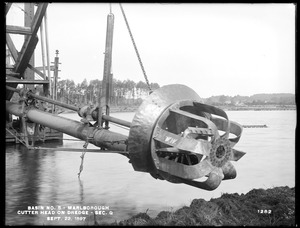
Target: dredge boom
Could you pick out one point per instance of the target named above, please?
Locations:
(173, 136)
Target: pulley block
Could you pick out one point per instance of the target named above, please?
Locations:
(175, 137)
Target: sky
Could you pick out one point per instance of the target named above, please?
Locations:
(215, 49)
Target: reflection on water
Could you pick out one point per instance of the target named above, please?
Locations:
(49, 178)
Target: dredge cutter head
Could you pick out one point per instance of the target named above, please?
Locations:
(175, 137)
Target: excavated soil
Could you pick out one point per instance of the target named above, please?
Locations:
(259, 207)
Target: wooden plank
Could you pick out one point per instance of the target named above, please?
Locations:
(18, 30)
(41, 68)
(10, 67)
(11, 73)
(31, 41)
(37, 71)
(7, 7)
(14, 80)
(37, 20)
(28, 19)
(29, 44)
(26, 53)
(20, 81)
(11, 47)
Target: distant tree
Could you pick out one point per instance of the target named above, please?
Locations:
(70, 86)
(123, 92)
(93, 90)
(222, 99)
(154, 86)
(83, 91)
(141, 88)
(118, 90)
(129, 87)
(61, 90)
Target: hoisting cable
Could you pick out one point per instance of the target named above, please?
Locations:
(135, 48)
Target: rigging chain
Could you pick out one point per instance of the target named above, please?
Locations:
(82, 157)
(135, 48)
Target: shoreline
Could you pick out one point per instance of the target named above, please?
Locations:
(258, 108)
(117, 109)
(259, 207)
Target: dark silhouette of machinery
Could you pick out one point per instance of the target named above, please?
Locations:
(173, 136)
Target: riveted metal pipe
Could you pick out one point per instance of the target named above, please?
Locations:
(99, 137)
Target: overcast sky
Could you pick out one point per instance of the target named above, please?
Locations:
(230, 49)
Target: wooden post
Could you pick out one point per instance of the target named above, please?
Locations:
(48, 57)
(104, 95)
(45, 86)
(55, 77)
(28, 18)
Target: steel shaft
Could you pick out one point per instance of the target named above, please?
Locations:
(99, 137)
(72, 107)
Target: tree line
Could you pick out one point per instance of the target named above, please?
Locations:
(256, 99)
(126, 92)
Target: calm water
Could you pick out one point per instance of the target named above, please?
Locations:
(49, 178)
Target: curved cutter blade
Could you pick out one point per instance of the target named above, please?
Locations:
(216, 153)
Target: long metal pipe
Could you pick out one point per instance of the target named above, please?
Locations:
(72, 107)
(99, 137)
(117, 121)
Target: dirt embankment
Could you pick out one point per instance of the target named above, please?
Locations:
(259, 207)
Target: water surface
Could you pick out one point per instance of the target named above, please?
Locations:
(44, 177)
